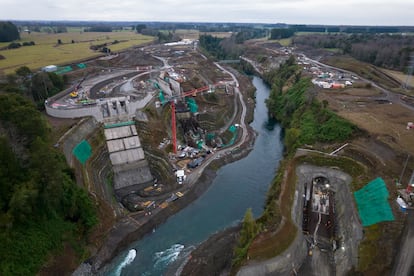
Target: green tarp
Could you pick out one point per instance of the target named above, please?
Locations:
(127, 123)
(192, 105)
(232, 128)
(63, 70)
(372, 203)
(82, 151)
(161, 96)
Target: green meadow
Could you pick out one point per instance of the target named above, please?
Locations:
(74, 47)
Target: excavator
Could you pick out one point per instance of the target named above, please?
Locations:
(74, 93)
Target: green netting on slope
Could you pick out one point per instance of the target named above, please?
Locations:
(161, 96)
(210, 136)
(82, 151)
(192, 105)
(232, 128)
(372, 203)
(200, 144)
(63, 70)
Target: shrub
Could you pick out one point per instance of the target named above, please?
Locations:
(14, 45)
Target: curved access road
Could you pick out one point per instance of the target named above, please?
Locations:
(192, 178)
(390, 96)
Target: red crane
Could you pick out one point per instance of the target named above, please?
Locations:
(173, 120)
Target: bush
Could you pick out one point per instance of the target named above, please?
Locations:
(14, 45)
(8, 32)
(31, 43)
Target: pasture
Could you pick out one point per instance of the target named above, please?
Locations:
(74, 47)
(195, 34)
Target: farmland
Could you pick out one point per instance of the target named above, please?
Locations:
(74, 47)
(194, 34)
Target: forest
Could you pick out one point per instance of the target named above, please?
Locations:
(383, 50)
(305, 119)
(41, 207)
(223, 48)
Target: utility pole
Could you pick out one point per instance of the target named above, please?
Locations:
(402, 172)
(407, 83)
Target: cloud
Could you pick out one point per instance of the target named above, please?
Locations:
(351, 12)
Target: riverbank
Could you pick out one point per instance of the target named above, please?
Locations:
(128, 230)
(133, 227)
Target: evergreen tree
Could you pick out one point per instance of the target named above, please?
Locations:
(8, 32)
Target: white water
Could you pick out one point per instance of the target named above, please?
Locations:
(128, 259)
(164, 258)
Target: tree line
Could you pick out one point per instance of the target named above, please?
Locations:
(37, 86)
(387, 51)
(221, 48)
(8, 32)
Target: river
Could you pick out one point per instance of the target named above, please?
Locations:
(237, 187)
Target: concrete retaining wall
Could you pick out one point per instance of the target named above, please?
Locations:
(93, 111)
(350, 229)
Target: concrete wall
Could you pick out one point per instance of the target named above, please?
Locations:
(94, 111)
(282, 264)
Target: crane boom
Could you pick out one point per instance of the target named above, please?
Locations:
(173, 127)
(173, 120)
(195, 91)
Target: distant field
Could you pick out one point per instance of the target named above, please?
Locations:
(188, 34)
(194, 34)
(46, 51)
(399, 76)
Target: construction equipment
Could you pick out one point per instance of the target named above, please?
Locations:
(172, 102)
(74, 93)
(193, 93)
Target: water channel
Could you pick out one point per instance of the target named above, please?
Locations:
(237, 187)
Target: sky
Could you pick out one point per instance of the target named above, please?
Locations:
(334, 12)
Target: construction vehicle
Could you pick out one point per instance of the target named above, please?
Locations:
(406, 196)
(74, 93)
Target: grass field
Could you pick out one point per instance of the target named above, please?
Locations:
(194, 34)
(399, 76)
(47, 51)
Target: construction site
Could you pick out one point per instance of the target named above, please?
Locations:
(159, 115)
(190, 114)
